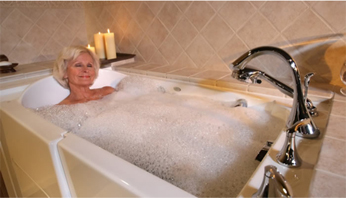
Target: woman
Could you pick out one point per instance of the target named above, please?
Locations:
(76, 68)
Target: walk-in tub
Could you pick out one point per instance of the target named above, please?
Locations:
(44, 160)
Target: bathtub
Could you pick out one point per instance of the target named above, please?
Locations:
(43, 160)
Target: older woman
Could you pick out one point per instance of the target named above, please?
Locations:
(76, 68)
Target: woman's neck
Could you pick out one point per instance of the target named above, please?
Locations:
(81, 93)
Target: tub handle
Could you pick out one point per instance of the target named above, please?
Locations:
(273, 184)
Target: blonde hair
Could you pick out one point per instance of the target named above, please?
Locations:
(70, 54)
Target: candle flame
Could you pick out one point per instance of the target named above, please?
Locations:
(108, 30)
(88, 45)
(99, 32)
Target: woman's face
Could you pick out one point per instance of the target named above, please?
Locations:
(81, 71)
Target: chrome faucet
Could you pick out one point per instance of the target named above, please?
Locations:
(273, 185)
(299, 109)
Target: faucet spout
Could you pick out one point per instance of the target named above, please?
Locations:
(299, 110)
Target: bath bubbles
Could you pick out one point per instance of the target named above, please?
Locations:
(204, 147)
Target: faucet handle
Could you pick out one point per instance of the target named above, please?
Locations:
(288, 155)
(273, 184)
(306, 83)
(310, 106)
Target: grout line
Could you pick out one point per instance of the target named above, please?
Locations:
(335, 138)
(330, 173)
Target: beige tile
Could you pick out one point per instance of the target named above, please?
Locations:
(257, 32)
(36, 37)
(186, 72)
(144, 16)
(200, 51)
(170, 15)
(8, 40)
(123, 18)
(162, 71)
(24, 53)
(118, 34)
(338, 96)
(49, 22)
(258, 4)
(4, 12)
(332, 157)
(63, 35)
(217, 32)
(52, 49)
(157, 32)
(339, 108)
(217, 64)
(184, 61)
(184, 32)
(17, 23)
(114, 7)
(76, 18)
(327, 185)
(147, 66)
(307, 25)
(216, 4)
(209, 74)
(232, 50)
(155, 6)
(233, 13)
(134, 32)
(33, 13)
(199, 14)
(336, 127)
(126, 46)
(282, 13)
(334, 12)
(158, 58)
(131, 6)
(183, 5)
(60, 14)
(170, 49)
(165, 69)
(146, 48)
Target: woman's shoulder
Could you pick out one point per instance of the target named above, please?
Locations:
(107, 90)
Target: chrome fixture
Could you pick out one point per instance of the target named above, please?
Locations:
(288, 156)
(299, 109)
(273, 184)
(241, 103)
(312, 109)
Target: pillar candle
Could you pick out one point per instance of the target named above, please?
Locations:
(110, 45)
(91, 48)
(100, 48)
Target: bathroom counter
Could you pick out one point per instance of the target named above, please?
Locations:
(331, 164)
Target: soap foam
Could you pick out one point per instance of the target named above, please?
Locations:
(199, 145)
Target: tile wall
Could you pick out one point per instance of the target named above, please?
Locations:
(37, 31)
(195, 34)
(210, 34)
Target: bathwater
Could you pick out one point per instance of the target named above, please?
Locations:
(202, 146)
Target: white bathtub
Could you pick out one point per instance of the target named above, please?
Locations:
(43, 160)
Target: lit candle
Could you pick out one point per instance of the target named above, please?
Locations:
(100, 48)
(91, 48)
(110, 45)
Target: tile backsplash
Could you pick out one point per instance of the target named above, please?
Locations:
(37, 31)
(193, 34)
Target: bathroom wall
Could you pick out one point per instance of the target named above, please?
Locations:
(201, 34)
(37, 31)
(210, 34)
